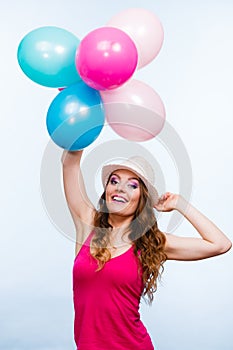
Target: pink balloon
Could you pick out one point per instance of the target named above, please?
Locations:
(106, 58)
(134, 111)
(144, 28)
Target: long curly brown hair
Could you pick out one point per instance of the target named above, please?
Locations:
(145, 235)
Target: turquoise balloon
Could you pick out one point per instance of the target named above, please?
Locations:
(75, 117)
(47, 56)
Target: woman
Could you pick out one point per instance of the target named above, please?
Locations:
(120, 251)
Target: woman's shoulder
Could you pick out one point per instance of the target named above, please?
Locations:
(85, 240)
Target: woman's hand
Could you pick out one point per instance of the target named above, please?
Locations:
(167, 202)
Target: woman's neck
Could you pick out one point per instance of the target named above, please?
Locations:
(119, 222)
(120, 227)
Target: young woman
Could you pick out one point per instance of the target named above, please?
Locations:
(120, 250)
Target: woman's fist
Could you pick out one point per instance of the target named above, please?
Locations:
(167, 202)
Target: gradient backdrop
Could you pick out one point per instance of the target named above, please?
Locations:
(193, 74)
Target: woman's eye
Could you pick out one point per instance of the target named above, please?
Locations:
(113, 181)
(134, 186)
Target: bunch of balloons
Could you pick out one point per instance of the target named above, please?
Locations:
(94, 77)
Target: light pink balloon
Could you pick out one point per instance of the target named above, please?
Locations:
(134, 111)
(106, 58)
(144, 28)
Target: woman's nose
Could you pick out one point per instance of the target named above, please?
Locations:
(121, 187)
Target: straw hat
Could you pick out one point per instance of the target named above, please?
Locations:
(138, 166)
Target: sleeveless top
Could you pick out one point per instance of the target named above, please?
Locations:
(106, 302)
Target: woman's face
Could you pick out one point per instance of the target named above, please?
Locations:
(123, 192)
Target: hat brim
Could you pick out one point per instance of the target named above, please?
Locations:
(107, 170)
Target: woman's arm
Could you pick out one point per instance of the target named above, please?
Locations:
(82, 210)
(212, 241)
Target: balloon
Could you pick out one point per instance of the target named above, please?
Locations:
(134, 111)
(75, 117)
(47, 56)
(144, 28)
(106, 58)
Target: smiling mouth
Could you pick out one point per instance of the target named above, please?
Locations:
(119, 199)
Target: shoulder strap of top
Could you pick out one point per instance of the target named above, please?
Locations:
(88, 239)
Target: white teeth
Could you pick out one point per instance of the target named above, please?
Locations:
(119, 199)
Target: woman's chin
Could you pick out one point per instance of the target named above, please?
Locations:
(117, 208)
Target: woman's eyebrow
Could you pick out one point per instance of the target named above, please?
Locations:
(133, 178)
(115, 175)
(130, 178)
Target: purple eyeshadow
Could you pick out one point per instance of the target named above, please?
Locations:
(134, 183)
(113, 178)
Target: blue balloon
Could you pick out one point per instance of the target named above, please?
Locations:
(47, 56)
(75, 117)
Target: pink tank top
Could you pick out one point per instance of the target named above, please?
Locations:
(106, 303)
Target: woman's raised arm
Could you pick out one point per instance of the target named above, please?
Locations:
(81, 208)
(212, 241)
